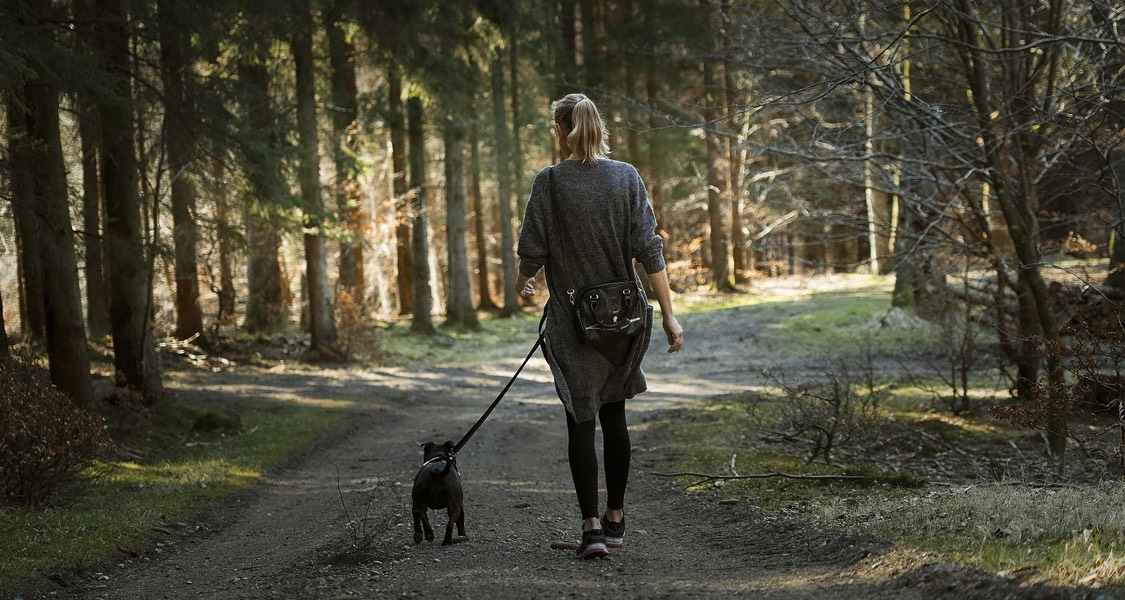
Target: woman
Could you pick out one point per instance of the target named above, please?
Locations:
(597, 208)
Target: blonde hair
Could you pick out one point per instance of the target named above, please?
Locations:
(587, 134)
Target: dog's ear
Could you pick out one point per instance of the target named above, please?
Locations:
(426, 447)
(449, 445)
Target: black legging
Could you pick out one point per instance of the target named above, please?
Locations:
(584, 459)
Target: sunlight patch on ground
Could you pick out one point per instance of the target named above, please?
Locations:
(328, 403)
(961, 423)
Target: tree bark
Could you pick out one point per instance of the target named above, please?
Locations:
(656, 170)
(1017, 208)
(459, 297)
(4, 353)
(224, 232)
(344, 146)
(567, 65)
(479, 228)
(734, 151)
(33, 318)
(66, 330)
(504, 191)
(1116, 277)
(877, 200)
(93, 206)
(322, 320)
(134, 353)
(264, 302)
(422, 320)
(719, 243)
(517, 149)
(180, 149)
(396, 122)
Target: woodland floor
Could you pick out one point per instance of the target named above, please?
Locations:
(288, 537)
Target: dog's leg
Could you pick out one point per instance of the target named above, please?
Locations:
(461, 523)
(418, 515)
(426, 526)
(449, 528)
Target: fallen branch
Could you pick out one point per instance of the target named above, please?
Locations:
(709, 477)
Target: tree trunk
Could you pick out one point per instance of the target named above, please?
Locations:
(422, 320)
(517, 147)
(3, 332)
(89, 133)
(225, 234)
(33, 318)
(591, 73)
(655, 167)
(719, 242)
(130, 313)
(179, 148)
(459, 297)
(344, 147)
(907, 272)
(264, 305)
(97, 295)
(734, 151)
(396, 122)
(479, 221)
(567, 66)
(504, 191)
(66, 331)
(628, 61)
(322, 320)
(1116, 277)
(876, 199)
(1017, 207)
(264, 302)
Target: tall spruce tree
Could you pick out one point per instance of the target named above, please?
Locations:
(322, 320)
(134, 351)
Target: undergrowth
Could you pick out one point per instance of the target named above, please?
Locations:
(951, 478)
(172, 473)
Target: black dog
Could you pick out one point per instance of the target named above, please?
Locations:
(438, 485)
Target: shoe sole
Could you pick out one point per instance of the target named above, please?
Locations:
(614, 542)
(594, 551)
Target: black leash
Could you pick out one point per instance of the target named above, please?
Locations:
(480, 421)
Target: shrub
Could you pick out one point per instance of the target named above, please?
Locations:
(47, 442)
(823, 416)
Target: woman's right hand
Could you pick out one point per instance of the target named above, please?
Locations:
(525, 286)
(675, 333)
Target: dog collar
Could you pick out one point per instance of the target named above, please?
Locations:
(437, 458)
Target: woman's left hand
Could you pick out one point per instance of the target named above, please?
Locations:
(674, 332)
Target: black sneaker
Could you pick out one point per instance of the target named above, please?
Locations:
(593, 545)
(614, 532)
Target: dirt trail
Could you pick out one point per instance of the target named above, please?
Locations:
(284, 538)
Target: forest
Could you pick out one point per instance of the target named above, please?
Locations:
(190, 175)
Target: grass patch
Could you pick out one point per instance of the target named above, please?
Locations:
(1061, 535)
(120, 510)
(498, 338)
(1065, 535)
(839, 319)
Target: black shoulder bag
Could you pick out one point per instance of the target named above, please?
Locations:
(605, 312)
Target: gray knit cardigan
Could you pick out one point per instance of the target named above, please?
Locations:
(597, 206)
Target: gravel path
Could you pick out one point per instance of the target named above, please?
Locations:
(289, 537)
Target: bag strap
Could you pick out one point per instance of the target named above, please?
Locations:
(551, 195)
